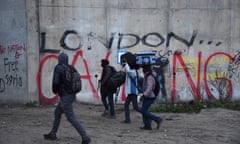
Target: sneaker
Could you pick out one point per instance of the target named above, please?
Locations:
(50, 136)
(86, 141)
(105, 113)
(159, 123)
(145, 128)
(126, 122)
(112, 117)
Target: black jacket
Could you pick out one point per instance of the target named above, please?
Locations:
(58, 75)
(106, 74)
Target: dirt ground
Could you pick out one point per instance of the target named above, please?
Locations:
(26, 125)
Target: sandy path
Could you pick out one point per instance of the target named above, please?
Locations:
(21, 125)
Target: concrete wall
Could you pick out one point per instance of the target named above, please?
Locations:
(13, 72)
(205, 31)
(200, 37)
(33, 43)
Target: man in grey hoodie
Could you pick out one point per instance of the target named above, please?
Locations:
(65, 104)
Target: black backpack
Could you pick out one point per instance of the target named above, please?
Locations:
(157, 87)
(117, 79)
(72, 80)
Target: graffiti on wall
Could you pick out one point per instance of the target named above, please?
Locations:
(194, 74)
(195, 88)
(10, 66)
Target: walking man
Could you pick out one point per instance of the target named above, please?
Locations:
(65, 104)
(148, 98)
(106, 90)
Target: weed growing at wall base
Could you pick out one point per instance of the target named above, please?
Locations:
(193, 107)
(32, 104)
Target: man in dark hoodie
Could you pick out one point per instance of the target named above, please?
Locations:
(65, 103)
(106, 91)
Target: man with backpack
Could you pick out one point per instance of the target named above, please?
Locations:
(107, 90)
(150, 92)
(66, 99)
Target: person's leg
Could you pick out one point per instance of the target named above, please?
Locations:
(149, 116)
(68, 110)
(135, 103)
(57, 118)
(104, 101)
(145, 106)
(126, 109)
(111, 104)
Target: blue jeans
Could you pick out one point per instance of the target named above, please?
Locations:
(65, 106)
(110, 103)
(130, 98)
(146, 115)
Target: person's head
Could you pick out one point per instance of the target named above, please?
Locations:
(104, 62)
(63, 58)
(146, 68)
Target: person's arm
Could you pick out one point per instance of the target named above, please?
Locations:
(56, 79)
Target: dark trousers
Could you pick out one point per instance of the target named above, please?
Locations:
(130, 98)
(146, 115)
(65, 106)
(108, 102)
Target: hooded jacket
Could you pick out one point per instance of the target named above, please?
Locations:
(107, 72)
(58, 75)
(131, 80)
